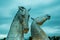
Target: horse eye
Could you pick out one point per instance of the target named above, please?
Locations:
(20, 19)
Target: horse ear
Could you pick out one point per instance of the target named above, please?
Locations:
(32, 18)
(29, 9)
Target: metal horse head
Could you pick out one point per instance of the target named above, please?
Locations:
(23, 18)
(41, 20)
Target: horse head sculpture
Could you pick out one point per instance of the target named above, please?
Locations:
(41, 20)
(19, 25)
(36, 32)
(24, 18)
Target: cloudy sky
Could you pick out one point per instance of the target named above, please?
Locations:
(8, 9)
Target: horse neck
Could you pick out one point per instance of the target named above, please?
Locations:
(15, 32)
(38, 31)
(34, 24)
(16, 25)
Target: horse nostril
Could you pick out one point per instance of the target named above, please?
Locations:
(26, 30)
(48, 16)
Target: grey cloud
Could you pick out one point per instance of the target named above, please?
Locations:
(5, 3)
(5, 20)
(52, 23)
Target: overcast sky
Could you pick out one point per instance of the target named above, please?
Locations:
(8, 9)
